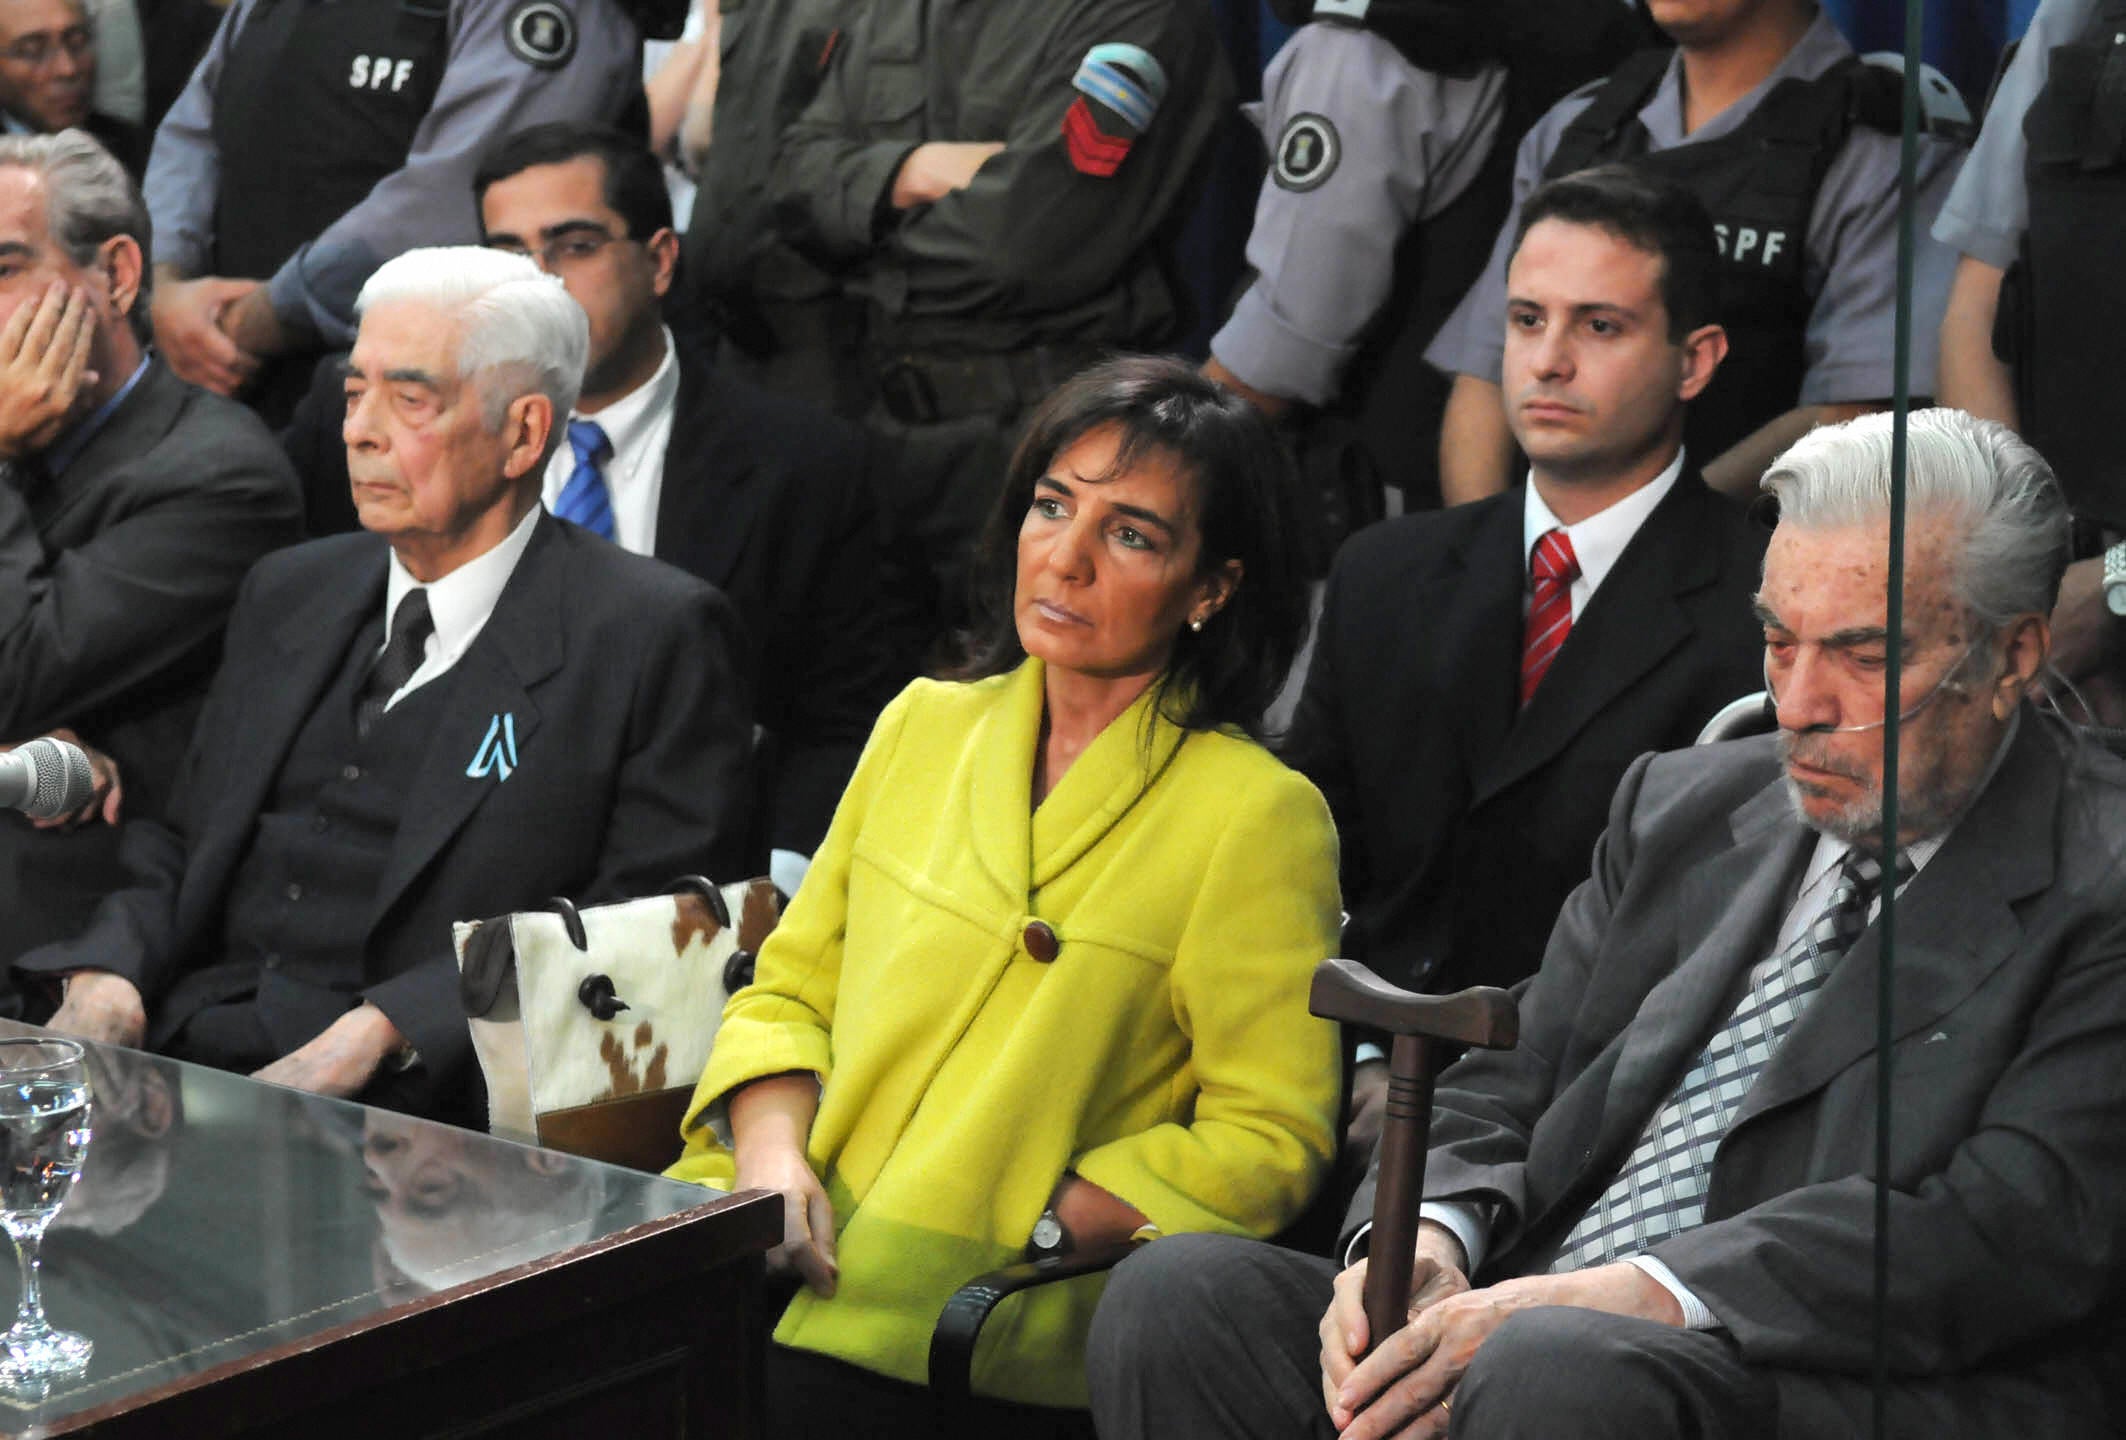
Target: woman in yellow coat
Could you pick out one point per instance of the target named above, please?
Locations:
(1045, 984)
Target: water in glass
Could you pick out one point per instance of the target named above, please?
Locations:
(44, 1136)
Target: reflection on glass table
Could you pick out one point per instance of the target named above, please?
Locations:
(218, 1219)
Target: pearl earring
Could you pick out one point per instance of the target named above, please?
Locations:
(1196, 624)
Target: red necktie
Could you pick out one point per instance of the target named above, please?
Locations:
(1554, 568)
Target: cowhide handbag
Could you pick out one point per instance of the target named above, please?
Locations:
(592, 1025)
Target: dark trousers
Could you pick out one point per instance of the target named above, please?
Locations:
(813, 1397)
(1202, 1335)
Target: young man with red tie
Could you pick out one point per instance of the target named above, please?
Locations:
(1483, 675)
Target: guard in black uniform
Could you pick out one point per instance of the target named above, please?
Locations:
(996, 184)
(779, 319)
(2037, 296)
(2064, 290)
(318, 138)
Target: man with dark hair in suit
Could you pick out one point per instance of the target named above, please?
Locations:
(131, 504)
(1665, 1197)
(1484, 674)
(762, 497)
(466, 711)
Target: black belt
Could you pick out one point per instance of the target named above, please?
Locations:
(920, 388)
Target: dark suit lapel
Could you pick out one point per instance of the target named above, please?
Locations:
(1479, 629)
(1955, 926)
(489, 701)
(1727, 910)
(1633, 622)
(310, 645)
(134, 426)
(706, 505)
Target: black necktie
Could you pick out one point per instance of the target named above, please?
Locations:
(402, 655)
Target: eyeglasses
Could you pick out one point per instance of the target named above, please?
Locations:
(37, 51)
(571, 247)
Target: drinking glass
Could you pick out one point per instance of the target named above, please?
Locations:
(44, 1134)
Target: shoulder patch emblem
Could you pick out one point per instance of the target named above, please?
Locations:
(1092, 150)
(1124, 79)
(1307, 152)
(541, 33)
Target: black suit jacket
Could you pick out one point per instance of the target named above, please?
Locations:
(2008, 1213)
(632, 742)
(116, 577)
(1465, 822)
(770, 501)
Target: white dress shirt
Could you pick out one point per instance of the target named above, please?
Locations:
(459, 603)
(639, 425)
(1599, 540)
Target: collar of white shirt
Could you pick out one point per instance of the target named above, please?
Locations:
(1598, 540)
(638, 426)
(459, 603)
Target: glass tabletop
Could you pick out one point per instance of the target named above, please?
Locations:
(217, 1217)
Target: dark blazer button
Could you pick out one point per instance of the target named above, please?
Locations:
(1041, 941)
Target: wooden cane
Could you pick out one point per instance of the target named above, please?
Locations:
(1484, 1016)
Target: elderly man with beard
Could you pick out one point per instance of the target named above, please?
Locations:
(1655, 1217)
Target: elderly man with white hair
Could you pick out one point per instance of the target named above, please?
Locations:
(466, 710)
(1656, 1216)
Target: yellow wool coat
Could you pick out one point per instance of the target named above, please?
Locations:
(1166, 1054)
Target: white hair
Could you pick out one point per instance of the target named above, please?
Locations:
(1972, 472)
(520, 330)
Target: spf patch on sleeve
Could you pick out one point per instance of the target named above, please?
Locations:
(1307, 152)
(541, 33)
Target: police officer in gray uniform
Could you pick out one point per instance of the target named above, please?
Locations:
(1834, 282)
(1391, 127)
(2036, 217)
(996, 181)
(319, 138)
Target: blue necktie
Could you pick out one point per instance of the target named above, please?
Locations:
(584, 499)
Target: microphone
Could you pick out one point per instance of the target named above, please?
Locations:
(46, 777)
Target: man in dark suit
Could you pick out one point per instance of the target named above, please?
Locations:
(48, 78)
(764, 498)
(131, 504)
(466, 711)
(1665, 1195)
(1483, 675)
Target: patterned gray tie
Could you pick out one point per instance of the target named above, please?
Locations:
(1661, 1190)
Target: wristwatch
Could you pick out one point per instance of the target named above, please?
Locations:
(2115, 579)
(1049, 1239)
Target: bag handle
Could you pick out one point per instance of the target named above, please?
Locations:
(710, 896)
